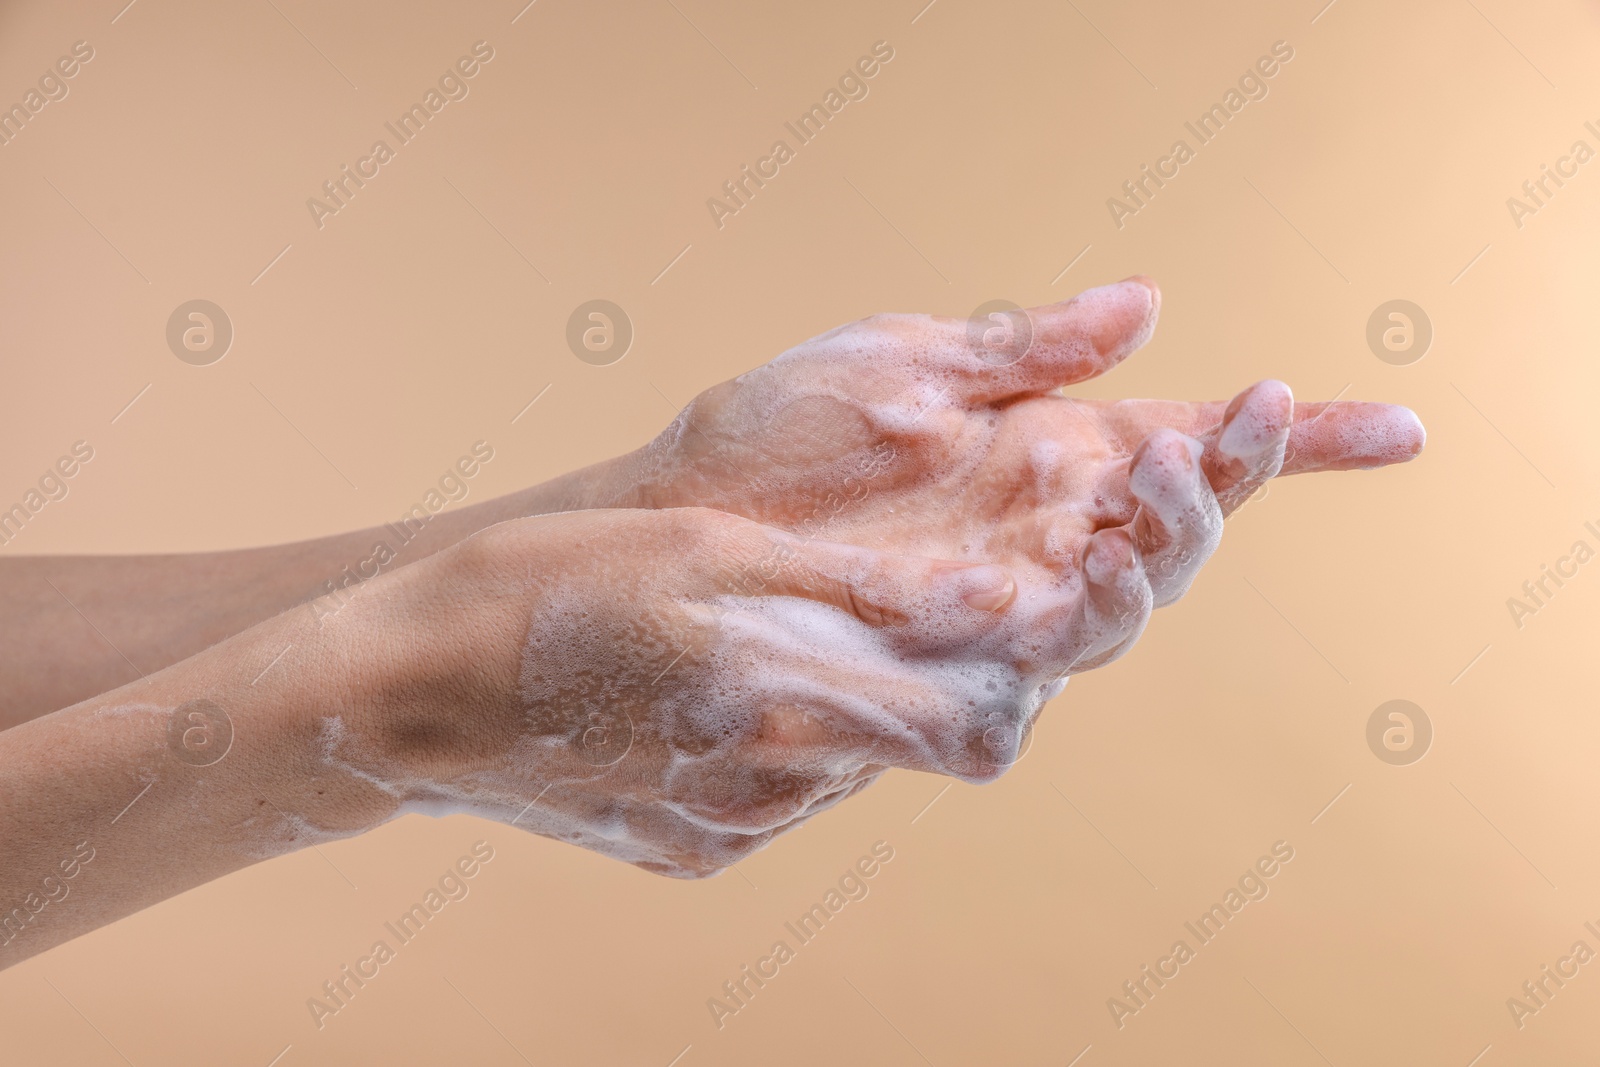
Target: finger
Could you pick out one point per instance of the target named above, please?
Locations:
(876, 708)
(864, 778)
(1043, 348)
(1248, 448)
(767, 783)
(828, 800)
(892, 718)
(1352, 435)
(878, 693)
(679, 848)
(1114, 606)
(1179, 521)
(1325, 436)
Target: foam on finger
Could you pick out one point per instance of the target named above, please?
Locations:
(1070, 342)
(1352, 435)
(1180, 522)
(1249, 448)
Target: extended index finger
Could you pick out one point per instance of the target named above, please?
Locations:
(1332, 435)
(1344, 435)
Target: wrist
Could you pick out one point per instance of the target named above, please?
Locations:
(433, 654)
(293, 719)
(619, 482)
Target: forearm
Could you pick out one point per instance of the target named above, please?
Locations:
(75, 626)
(136, 795)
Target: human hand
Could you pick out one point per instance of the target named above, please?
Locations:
(672, 687)
(946, 438)
(904, 432)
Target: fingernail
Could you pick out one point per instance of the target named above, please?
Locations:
(1144, 280)
(1107, 555)
(1258, 423)
(1412, 434)
(1124, 312)
(1164, 476)
(988, 588)
(1246, 437)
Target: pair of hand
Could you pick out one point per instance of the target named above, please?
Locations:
(887, 547)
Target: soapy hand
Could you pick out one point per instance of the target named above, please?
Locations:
(886, 548)
(672, 687)
(951, 438)
(694, 683)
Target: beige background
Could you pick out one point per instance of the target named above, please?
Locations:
(417, 321)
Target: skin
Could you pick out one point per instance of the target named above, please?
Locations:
(464, 681)
(888, 547)
(78, 626)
